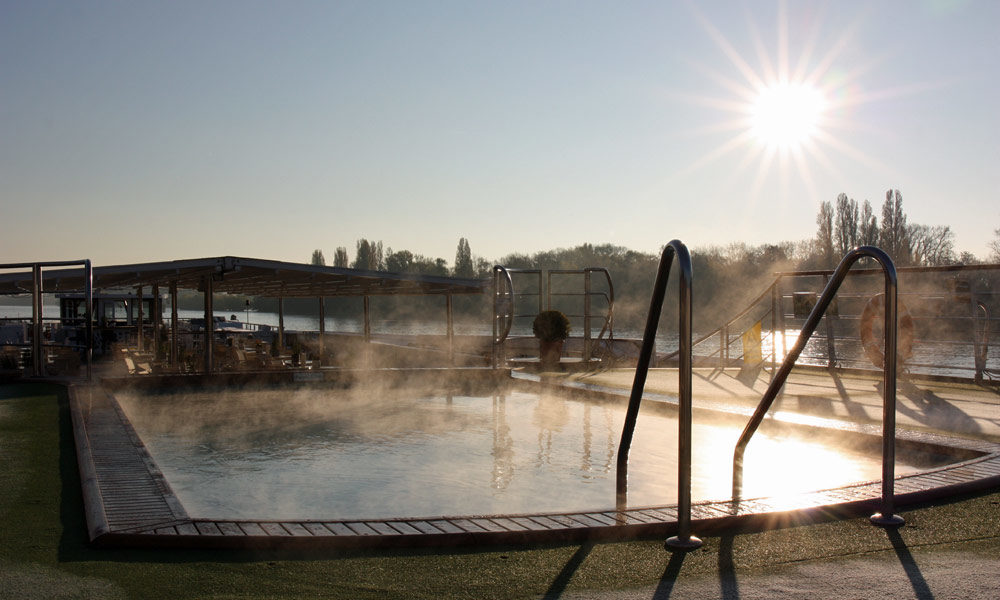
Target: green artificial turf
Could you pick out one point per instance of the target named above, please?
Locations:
(44, 551)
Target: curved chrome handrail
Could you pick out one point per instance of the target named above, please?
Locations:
(500, 338)
(886, 516)
(683, 540)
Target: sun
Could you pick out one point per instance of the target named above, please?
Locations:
(785, 111)
(784, 116)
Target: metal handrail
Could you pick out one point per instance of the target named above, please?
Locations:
(886, 516)
(589, 344)
(981, 343)
(36, 307)
(499, 338)
(683, 540)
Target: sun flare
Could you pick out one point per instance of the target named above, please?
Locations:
(786, 110)
(786, 115)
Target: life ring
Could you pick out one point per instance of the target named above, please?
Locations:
(874, 313)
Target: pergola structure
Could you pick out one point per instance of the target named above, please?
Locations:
(239, 276)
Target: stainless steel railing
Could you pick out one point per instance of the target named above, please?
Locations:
(503, 312)
(590, 343)
(507, 302)
(885, 517)
(683, 540)
(36, 309)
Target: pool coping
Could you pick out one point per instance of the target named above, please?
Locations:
(128, 502)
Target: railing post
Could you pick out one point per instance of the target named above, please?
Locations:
(36, 321)
(586, 317)
(450, 316)
(774, 326)
(173, 323)
(209, 357)
(139, 344)
(88, 291)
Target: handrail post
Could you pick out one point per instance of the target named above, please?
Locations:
(36, 320)
(88, 295)
(683, 540)
(886, 516)
(774, 327)
(498, 336)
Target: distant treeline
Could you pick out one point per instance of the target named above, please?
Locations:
(726, 278)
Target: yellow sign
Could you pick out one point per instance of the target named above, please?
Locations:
(752, 354)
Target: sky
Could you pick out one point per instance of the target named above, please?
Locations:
(148, 131)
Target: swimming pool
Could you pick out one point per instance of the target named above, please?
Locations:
(371, 453)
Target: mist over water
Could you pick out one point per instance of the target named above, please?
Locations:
(378, 453)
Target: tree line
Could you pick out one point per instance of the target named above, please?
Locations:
(370, 256)
(727, 277)
(845, 225)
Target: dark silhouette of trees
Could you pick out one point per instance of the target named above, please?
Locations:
(847, 229)
(317, 258)
(995, 246)
(867, 226)
(399, 262)
(824, 234)
(463, 260)
(931, 246)
(369, 256)
(893, 235)
(340, 258)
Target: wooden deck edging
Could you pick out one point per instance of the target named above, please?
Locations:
(128, 502)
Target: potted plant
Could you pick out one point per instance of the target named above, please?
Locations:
(551, 327)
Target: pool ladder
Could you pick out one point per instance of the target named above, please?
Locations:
(684, 540)
(886, 516)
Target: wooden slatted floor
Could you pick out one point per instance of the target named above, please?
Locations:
(129, 502)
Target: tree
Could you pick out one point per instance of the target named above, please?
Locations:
(931, 246)
(484, 268)
(893, 235)
(340, 258)
(399, 262)
(824, 235)
(968, 258)
(867, 226)
(846, 230)
(463, 260)
(317, 258)
(369, 256)
(995, 246)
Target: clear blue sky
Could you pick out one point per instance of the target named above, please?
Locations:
(136, 131)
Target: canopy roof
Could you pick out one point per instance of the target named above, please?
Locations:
(243, 276)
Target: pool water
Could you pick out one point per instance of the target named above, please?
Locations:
(376, 454)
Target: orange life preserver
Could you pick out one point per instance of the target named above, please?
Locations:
(874, 313)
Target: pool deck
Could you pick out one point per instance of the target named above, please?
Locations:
(129, 503)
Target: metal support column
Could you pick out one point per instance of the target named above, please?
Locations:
(281, 323)
(322, 329)
(367, 301)
(88, 295)
(173, 323)
(774, 328)
(138, 320)
(156, 315)
(449, 308)
(586, 318)
(36, 321)
(209, 326)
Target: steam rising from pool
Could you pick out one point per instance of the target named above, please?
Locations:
(378, 453)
